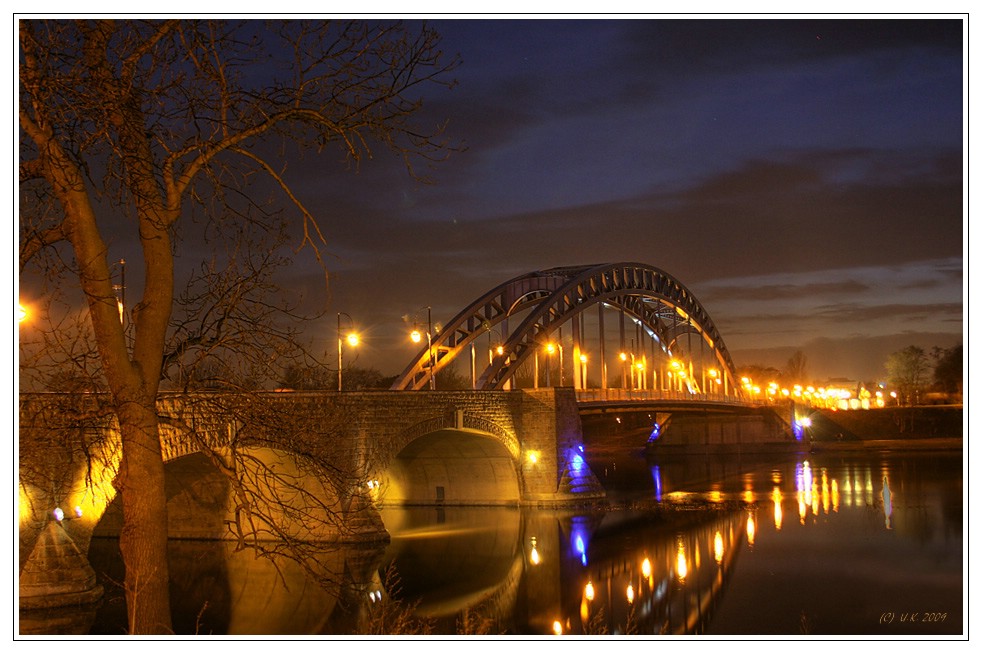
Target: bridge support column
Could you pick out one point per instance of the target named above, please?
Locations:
(603, 353)
(552, 464)
(577, 352)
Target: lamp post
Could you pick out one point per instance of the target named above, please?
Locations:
(351, 338)
(121, 299)
(550, 348)
(416, 337)
(121, 302)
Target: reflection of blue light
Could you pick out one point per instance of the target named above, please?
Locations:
(803, 477)
(799, 430)
(578, 537)
(656, 476)
(662, 587)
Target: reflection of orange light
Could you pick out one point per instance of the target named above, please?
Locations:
(835, 496)
(825, 492)
(630, 594)
(588, 591)
(718, 547)
(778, 513)
(557, 628)
(646, 568)
(681, 566)
(751, 529)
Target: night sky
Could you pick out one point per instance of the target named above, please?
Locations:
(803, 178)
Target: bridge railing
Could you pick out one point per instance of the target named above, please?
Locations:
(627, 395)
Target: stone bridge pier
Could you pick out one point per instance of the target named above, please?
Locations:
(522, 447)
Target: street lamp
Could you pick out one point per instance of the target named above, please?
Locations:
(624, 367)
(21, 313)
(351, 337)
(552, 348)
(416, 337)
(121, 287)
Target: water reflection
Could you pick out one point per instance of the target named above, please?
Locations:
(699, 547)
(216, 590)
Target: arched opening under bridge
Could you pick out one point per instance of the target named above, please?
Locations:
(624, 327)
(452, 467)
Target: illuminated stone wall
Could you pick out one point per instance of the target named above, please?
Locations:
(526, 448)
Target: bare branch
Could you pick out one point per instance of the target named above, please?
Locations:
(128, 126)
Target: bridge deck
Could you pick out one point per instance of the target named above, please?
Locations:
(622, 398)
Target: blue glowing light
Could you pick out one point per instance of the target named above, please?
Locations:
(655, 433)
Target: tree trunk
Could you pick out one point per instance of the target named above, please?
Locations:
(143, 541)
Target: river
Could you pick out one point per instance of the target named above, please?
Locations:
(823, 544)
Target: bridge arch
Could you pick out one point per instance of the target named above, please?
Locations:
(539, 304)
(455, 458)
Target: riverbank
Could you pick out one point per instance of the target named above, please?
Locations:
(903, 444)
(903, 424)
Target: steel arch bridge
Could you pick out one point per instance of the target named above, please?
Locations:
(527, 314)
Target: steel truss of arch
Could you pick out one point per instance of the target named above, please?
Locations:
(550, 298)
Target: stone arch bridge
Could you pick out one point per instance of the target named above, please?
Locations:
(437, 448)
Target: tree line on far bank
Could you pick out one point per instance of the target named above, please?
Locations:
(919, 377)
(914, 374)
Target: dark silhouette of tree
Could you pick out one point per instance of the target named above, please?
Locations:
(796, 369)
(140, 127)
(907, 371)
(317, 377)
(452, 379)
(762, 375)
(948, 369)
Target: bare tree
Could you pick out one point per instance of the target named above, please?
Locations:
(948, 376)
(796, 369)
(141, 125)
(907, 371)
